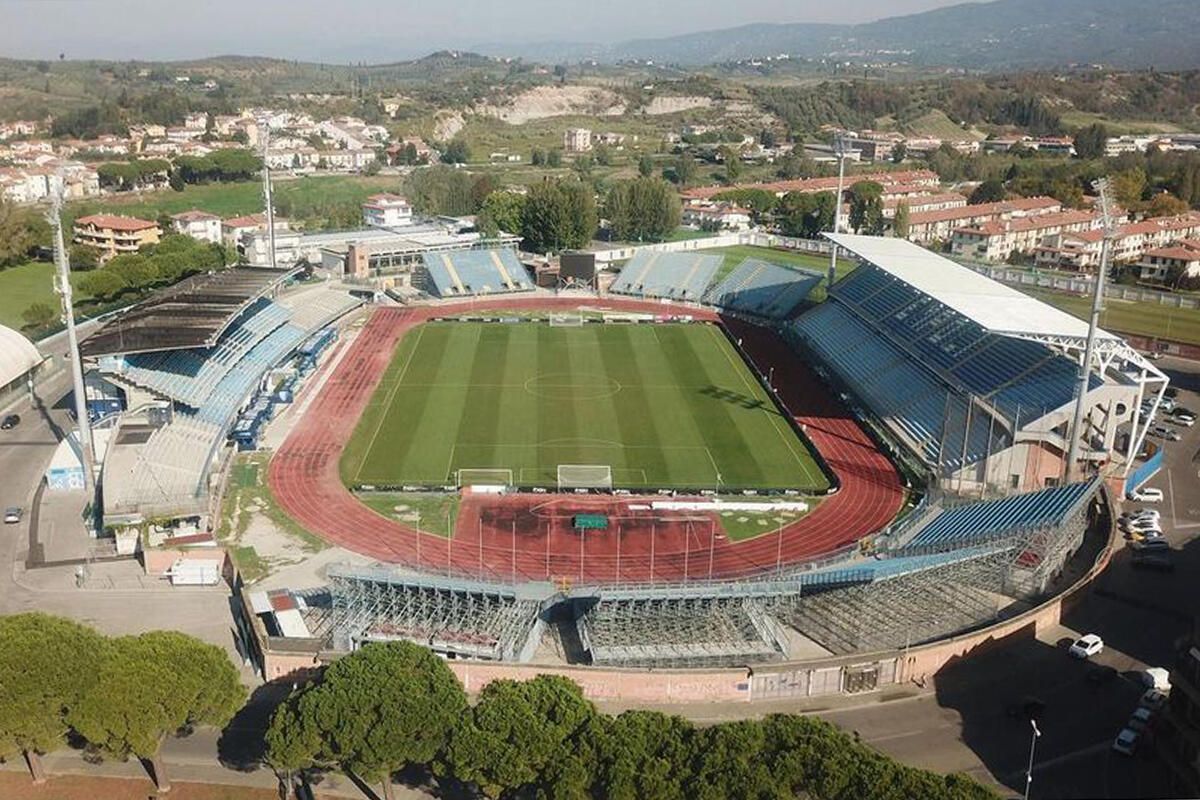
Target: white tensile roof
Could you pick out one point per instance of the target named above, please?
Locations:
(998, 308)
(17, 355)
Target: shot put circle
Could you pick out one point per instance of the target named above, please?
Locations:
(567, 386)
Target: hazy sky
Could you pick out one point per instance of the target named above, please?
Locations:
(379, 30)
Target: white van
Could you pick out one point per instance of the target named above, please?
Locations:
(1146, 494)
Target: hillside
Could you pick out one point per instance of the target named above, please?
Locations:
(998, 35)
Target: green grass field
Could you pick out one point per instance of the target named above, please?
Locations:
(1132, 318)
(662, 405)
(25, 284)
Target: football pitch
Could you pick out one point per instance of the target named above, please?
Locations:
(663, 406)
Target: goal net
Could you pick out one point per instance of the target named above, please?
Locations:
(566, 320)
(584, 476)
(484, 477)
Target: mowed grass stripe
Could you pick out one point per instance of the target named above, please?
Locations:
(628, 408)
(789, 452)
(480, 423)
(557, 418)
(714, 415)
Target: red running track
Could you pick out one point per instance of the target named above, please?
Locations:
(528, 537)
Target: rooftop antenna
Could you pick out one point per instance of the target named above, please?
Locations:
(1085, 368)
(265, 133)
(841, 150)
(63, 287)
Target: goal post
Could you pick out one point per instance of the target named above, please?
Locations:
(566, 320)
(483, 477)
(585, 476)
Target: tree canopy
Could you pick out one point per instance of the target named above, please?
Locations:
(558, 215)
(866, 207)
(642, 210)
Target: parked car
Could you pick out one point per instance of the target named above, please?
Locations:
(1152, 514)
(12, 515)
(1142, 526)
(10, 422)
(1156, 544)
(1154, 355)
(1167, 404)
(1087, 646)
(1143, 536)
(1184, 416)
(1140, 719)
(1153, 699)
(1126, 742)
(1146, 494)
(1163, 432)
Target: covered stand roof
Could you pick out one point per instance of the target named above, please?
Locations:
(998, 308)
(17, 355)
(192, 313)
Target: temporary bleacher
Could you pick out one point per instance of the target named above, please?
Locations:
(674, 276)
(974, 523)
(762, 289)
(463, 273)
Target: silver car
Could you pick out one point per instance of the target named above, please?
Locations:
(12, 515)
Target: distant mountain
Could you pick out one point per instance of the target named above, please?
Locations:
(999, 35)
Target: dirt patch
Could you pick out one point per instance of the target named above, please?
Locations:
(673, 105)
(447, 124)
(543, 102)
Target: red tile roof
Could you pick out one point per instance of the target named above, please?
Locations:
(195, 215)
(249, 221)
(116, 223)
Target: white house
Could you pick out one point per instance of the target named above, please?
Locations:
(387, 211)
(198, 225)
(1181, 258)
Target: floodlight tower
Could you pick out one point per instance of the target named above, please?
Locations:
(63, 287)
(265, 133)
(840, 149)
(1085, 368)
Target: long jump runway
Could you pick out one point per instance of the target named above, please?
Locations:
(527, 537)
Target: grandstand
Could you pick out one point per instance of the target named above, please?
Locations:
(184, 401)
(453, 618)
(949, 568)
(674, 276)
(976, 379)
(763, 290)
(464, 273)
(193, 313)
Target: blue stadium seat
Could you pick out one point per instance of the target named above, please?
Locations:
(462, 273)
(765, 290)
(977, 522)
(674, 276)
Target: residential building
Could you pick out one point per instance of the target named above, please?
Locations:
(235, 228)
(1166, 264)
(254, 248)
(22, 127)
(717, 217)
(198, 225)
(921, 203)
(196, 120)
(1000, 239)
(895, 184)
(113, 235)
(577, 140)
(346, 160)
(931, 227)
(424, 153)
(387, 211)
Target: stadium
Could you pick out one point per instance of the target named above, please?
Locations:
(699, 468)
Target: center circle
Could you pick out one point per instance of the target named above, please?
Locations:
(570, 385)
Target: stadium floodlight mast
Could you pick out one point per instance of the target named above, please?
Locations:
(1085, 367)
(841, 150)
(265, 128)
(63, 287)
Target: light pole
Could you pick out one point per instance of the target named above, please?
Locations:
(839, 148)
(1032, 745)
